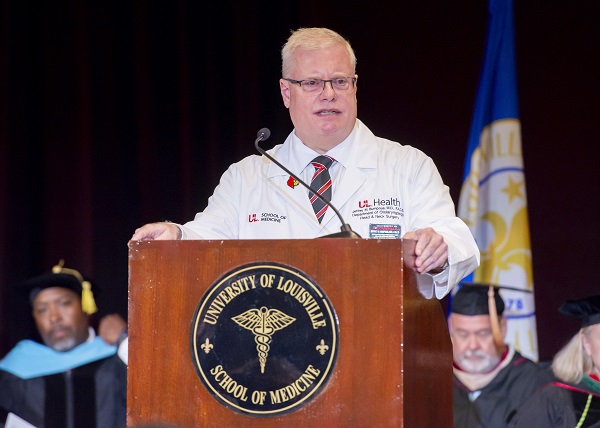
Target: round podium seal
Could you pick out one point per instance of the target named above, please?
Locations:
(264, 339)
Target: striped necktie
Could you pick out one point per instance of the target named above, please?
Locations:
(321, 182)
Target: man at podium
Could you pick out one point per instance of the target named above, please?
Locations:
(385, 189)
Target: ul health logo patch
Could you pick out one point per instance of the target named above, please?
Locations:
(264, 339)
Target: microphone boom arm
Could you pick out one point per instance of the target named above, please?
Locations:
(346, 230)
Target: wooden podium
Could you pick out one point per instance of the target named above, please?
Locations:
(394, 363)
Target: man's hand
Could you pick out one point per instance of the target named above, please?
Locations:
(431, 251)
(157, 231)
(110, 328)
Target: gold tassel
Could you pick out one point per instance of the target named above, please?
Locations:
(88, 304)
(498, 340)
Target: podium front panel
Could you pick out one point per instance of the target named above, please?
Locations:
(394, 360)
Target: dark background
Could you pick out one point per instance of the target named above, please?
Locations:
(113, 115)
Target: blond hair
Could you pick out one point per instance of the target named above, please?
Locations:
(571, 363)
(312, 39)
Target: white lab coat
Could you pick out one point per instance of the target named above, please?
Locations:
(380, 185)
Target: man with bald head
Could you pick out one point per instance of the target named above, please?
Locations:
(381, 188)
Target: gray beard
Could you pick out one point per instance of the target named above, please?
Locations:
(484, 365)
(64, 345)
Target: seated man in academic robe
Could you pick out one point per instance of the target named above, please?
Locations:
(491, 379)
(75, 379)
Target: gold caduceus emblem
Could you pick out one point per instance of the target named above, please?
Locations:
(263, 323)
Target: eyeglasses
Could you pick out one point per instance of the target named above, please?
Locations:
(339, 84)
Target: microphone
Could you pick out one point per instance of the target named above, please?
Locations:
(346, 230)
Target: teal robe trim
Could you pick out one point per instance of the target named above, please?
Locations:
(29, 359)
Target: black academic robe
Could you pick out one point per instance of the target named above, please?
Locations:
(90, 396)
(559, 405)
(499, 400)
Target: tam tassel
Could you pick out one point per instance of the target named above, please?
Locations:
(88, 304)
(496, 333)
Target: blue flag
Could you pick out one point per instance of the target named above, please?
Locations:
(493, 201)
